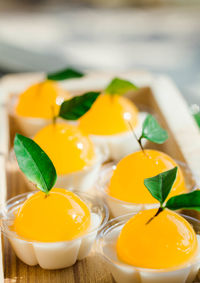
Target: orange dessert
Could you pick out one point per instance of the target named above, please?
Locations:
(41, 100)
(67, 146)
(53, 227)
(167, 241)
(110, 115)
(127, 182)
(59, 216)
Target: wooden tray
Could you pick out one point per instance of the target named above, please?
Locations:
(157, 94)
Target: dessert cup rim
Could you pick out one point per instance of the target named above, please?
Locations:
(122, 221)
(112, 164)
(103, 213)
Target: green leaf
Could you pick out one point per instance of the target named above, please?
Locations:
(197, 118)
(120, 87)
(35, 163)
(76, 107)
(152, 131)
(161, 185)
(186, 201)
(64, 74)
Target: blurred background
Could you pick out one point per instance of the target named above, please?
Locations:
(159, 36)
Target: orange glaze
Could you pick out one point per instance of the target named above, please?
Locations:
(127, 182)
(167, 241)
(109, 115)
(60, 216)
(41, 100)
(67, 146)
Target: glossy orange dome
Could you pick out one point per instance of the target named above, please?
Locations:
(60, 216)
(166, 242)
(109, 115)
(41, 100)
(67, 146)
(127, 182)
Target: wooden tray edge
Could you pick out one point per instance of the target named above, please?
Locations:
(179, 118)
(3, 191)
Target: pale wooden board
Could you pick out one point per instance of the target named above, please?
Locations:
(182, 125)
(3, 183)
(3, 192)
(16, 83)
(4, 145)
(4, 134)
(162, 99)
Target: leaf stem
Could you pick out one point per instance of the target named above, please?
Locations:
(54, 116)
(140, 143)
(138, 140)
(160, 209)
(46, 195)
(40, 86)
(54, 119)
